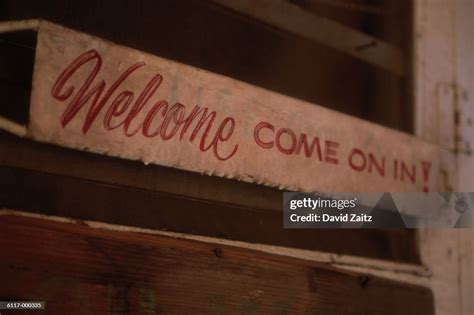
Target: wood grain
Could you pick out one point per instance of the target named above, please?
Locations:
(294, 19)
(130, 193)
(239, 114)
(81, 270)
(90, 200)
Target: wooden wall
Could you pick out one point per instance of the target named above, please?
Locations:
(94, 271)
(205, 35)
(52, 180)
(78, 269)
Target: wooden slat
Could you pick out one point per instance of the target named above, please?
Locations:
(289, 17)
(27, 154)
(89, 200)
(87, 186)
(444, 114)
(81, 270)
(254, 135)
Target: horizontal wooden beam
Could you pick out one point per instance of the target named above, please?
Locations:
(77, 198)
(156, 197)
(77, 269)
(49, 159)
(287, 16)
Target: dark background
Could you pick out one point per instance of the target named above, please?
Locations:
(205, 35)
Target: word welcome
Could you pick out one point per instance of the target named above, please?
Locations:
(120, 113)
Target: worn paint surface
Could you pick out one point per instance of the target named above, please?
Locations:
(93, 95)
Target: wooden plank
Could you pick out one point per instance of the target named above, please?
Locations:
(90, 200)
(257, 136)
(81, 270)
(444, 115)
(17, 152)
(292, 18)
(464, 24)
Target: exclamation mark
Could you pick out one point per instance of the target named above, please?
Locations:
(426, 174)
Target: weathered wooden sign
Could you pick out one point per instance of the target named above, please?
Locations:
(94, 95)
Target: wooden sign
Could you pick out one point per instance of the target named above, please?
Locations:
(94, 95)
(91, 268)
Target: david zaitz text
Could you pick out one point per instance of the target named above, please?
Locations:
(309, 211)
